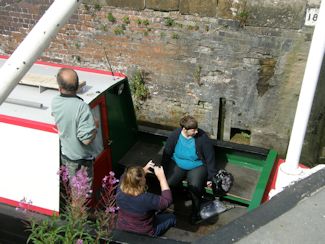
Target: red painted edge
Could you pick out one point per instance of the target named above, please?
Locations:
(28, 123)
(29, 207)
(97, 71)
(273, 178)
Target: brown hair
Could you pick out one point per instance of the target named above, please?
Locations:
(134, 181)
(188, 122)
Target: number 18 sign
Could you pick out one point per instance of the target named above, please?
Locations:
(311, 16)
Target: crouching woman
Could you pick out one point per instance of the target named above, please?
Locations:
(140, 211)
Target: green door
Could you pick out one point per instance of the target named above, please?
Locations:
(121, 121)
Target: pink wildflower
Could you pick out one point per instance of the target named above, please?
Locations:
(64, 174)
(79, 241)
(80, 183)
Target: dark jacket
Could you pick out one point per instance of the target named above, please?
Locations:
(137, 213)
(204, 150)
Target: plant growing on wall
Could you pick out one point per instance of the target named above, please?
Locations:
(169, 22)
(238, 9)
(119, 30)
(138, 88)
(126, 20)
(175, 36)
(145, 22)
(242, 17)
(111, 18)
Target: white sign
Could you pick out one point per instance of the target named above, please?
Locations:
(311, 16)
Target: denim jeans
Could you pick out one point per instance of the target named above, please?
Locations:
(162, 222)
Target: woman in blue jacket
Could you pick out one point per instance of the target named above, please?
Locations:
(189, 154)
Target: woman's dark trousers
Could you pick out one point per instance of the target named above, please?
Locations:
(196, 179)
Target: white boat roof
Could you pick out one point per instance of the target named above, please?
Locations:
(34, 102)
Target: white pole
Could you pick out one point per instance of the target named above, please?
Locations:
(289, 171)
(308, 87)
(34, 44)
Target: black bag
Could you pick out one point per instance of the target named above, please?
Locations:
(212, 208)
(222, 182)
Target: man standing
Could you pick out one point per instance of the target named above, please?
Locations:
(75, 123)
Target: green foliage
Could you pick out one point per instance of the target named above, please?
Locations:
(139, 21)
(73, 224)
(175, 36)
(92, 7)
(242, 17)
(169, 22)
(126, 20)
(238, 9)
(145, 22)
(56, 230)
(138, 87)
(111, 18)
(119, 30)
(97, 7)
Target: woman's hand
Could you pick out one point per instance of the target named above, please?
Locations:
(149, 165)
(159, 172)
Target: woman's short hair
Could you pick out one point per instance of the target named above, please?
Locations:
(134, 181)
(188, 122)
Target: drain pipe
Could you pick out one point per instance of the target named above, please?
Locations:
(290, 171)
(34, 44)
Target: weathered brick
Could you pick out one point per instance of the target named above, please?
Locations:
(166, 5)
(132, 4)
(201, 7)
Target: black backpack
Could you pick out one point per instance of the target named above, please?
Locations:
(222, 182)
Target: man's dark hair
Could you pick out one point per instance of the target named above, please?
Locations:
(71, 86)
(188, 122)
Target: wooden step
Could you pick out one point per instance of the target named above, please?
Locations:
(44, 81)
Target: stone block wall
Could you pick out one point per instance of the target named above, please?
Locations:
(193, 54)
